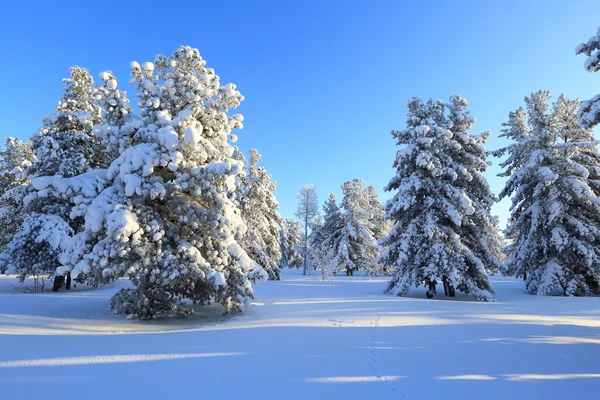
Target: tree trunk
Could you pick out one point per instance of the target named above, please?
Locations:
(432, 291)
(58, 282)
(305, 244)
(68, 283)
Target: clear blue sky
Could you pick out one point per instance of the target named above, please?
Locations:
(324, 81)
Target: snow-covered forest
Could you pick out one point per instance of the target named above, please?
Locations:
(143, 204)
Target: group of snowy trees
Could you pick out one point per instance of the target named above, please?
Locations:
(443, 229)
(164, 198)
(161, 198)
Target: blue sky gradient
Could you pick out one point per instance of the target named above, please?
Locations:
(324, 81)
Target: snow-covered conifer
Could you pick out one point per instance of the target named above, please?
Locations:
(589, 112)
(324, 238)
(554, 225)
(64, 147)
(355, 246)
(259, 209)
(65, 144)
(165, 217)
(15, 159)
(291, 244)
(431, 209)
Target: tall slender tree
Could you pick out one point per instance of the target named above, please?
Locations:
(307, 210)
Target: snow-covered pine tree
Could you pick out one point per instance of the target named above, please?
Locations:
(291, 244)
(381, 226)
(314, 241)
(431, 208)
(326, 236)
(260, 211)
(64, 147)
(165, 218)
(555, 215)
(589, 112)
(15, 159)
(355, 247)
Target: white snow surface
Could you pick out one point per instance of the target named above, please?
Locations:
(304, 339)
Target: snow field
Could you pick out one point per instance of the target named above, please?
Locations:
(304, 338)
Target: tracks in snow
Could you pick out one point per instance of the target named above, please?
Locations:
(374, 360)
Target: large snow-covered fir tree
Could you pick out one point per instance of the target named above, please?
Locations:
(432, 210)
(355, 246)
(553, 170)
(64, 148)
(260, 211)
(589, 112)
(291, 244)
(164, 216)
(15, 159)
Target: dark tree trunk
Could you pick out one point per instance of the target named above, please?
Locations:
(68, 282)
(432, 291)
(58, 282)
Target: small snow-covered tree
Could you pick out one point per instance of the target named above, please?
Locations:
(165, 216)
(15, 159)
(259, 209)
(325, 237)
(554, 224)
(307, 210)
(431, 209)
(589, 112)
(355, 247)
(291, 244)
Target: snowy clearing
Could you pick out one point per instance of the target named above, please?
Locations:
(304, 339)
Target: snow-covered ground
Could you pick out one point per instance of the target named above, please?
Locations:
(304, 339)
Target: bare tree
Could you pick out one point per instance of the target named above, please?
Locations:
(308, 209)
